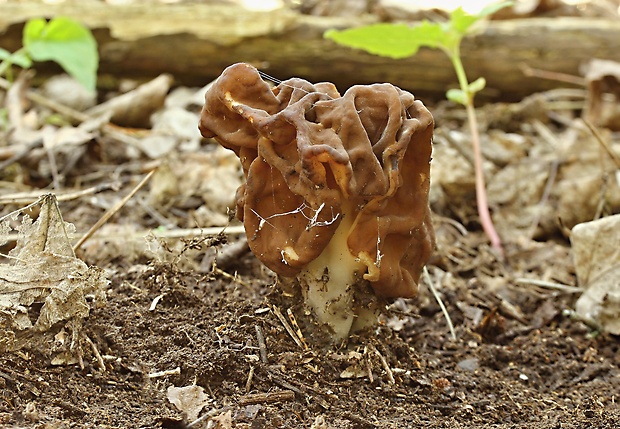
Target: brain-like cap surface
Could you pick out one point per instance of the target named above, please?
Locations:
(312, 156)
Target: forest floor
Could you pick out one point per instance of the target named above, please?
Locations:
(190, 332)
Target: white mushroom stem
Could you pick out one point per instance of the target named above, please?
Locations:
(328, 283)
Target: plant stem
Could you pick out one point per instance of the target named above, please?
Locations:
(481, 193)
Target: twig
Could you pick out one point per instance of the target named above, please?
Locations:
(75, 115)
(27, 197)
(559, 77)
(267, 398)
(302, 390)
(286, 325)
(96, 353)
(208, 416)
(444, 310)
(368, 365)
(159, 374)
(385, 366)
(298, 332)
(550, 285)
(156, 301)
(35, 97)
(112, 211)
(175, 233)
(262, 347)
(22, 154)
(457, 225)
(602, 142)
(283, 383)
(248, 383)
(234, 278)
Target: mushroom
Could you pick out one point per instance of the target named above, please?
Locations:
(336, 192)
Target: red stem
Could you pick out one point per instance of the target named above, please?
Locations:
(481, 193)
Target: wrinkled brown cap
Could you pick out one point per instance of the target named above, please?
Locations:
(310, 154)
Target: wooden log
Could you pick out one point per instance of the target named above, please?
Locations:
(194, 42)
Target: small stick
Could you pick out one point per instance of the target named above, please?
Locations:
(113, 211)
(371, 378)
(208, 416)
(261, 344)
(267, 398)
(156, 301)
(174, 233)
(602, 142)
(234, 278)
(159, 374)
(457, 225)
(550, 285)
(96, 353)
(283, 383)
(22, 154)
(444, 310)
(248, 383)
(298, 332)
(386, 367)
(288, 328)
(27, 197)
(559, 77)
(75, 115)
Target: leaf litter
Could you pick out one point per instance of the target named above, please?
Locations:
(177, 322)
(44, 271)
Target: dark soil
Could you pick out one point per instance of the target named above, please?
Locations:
(545, 371)
(519, 359)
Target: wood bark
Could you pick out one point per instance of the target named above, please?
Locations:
(194, 42)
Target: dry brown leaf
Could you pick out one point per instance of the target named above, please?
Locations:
(597, 264)
(134, 108)
(44, 270)
(188, 399)
(603, 104)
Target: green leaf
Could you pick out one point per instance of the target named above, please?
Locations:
(457, 96)
(461, 21)
(477, 85)
(19, 58)
(66, 42)
(388, 40)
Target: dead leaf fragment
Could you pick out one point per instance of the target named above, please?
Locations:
(189, 399)
(603, 103)
(597, 264)
(44, 270)
(223, 421)
(134, 108)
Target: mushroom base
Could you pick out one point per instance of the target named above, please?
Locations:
(334, 289)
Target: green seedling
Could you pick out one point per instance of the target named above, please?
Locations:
(401, 41)
(62, 40)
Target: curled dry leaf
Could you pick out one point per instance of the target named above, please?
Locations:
(603, 104)
(597, 263)
(134, 108)
(44, 270)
